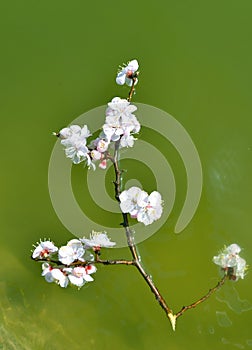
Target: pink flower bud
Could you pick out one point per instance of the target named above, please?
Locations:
(103, 164)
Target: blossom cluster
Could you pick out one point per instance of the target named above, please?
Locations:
(77, 276)
(231, 262)
(141, 206)
(74, 263)
(120, 125)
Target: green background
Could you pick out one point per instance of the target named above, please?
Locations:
(58, 60)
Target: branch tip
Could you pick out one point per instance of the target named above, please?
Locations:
(173, 319)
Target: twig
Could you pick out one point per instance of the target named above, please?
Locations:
(196, 303)
(134, 79)
(86, 262)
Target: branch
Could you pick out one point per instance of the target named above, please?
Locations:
(87, 262)
(196, 303)
(134, 79)
(129, 235)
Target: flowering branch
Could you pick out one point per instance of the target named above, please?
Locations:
(75, 262)
(130, 239)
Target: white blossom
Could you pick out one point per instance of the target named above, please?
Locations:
(74, 139)
(54, 275)
(74, 130)
(72, 251)
(80, 275)
(47, 272)
(102, 146)
(96, 155)
(97, 240)
(44, 249)
(145, 208)
(129, 201)
(60, 277)
(127, 140)
(150, 208)
(126, 73)
(230, 261)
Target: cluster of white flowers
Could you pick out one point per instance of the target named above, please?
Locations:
(63, 271)
(77, 276)
(145, 208)
(120, 124)
(230, 261)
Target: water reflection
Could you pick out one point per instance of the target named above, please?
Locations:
(229, 295)
(223, 319)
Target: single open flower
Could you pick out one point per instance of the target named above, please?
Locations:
(129, 201)
(72, 251)
(44, 249)
(54, 275)
(80, 275)
(74, 130)
(127, 73)
(97, 240)
(150, 208)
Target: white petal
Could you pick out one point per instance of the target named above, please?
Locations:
(77, 281)
(155, 198)
(234, 249)
(85, 132)
(88, 278)
(65, 133)
(120, 79)
(76, 129)
(126, 206)
(133, 65)
(142, 199)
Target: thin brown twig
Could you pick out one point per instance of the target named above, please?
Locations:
(196, 303)
(134, 79)
(86, 262)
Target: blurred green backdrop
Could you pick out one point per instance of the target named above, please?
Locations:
(58, 60)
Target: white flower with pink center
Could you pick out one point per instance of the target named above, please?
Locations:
(126, 73)
(54, 275)
(80, 275)
(150, 208)
(44, 249)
